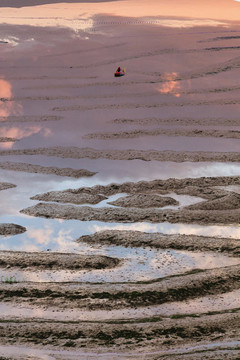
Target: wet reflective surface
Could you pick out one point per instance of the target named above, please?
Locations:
(57, 62)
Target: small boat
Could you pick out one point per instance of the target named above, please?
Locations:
(119, 73)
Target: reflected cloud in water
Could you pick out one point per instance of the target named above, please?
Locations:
(170, 86)
(8, 107)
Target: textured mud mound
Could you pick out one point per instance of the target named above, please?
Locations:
(130, 154)
(144, 201)
(41, 261)
(45, 170)
(70, 196)
(11, 229)
(161, 241)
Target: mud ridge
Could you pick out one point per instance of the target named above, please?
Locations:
(161, 241)
(4, 186)
(16, 119)
(11, 229)
(144, 201)
(233, 134)
(205, 187)
(70, 196)
(161, 333)
(130, 154)
(219, 206)
(29, 168)
(177, 121)
(7, 139)
(220, 102)
(131, 215)
(43, 261)
(117, 296)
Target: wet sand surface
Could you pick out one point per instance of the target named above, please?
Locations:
(120, 201)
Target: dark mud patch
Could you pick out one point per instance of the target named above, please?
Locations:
(162, 241)
(45, 170)
(11, 229)
(43, 261)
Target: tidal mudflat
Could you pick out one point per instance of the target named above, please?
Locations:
(120, 197)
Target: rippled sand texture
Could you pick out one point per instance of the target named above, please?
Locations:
(120, 197)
